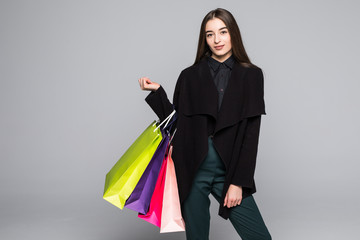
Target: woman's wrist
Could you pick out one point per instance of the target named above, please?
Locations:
(156, 87)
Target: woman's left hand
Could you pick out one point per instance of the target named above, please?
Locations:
(233, 196)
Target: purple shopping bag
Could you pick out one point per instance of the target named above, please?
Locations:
(140, 198)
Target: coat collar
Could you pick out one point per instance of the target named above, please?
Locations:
(240, 99)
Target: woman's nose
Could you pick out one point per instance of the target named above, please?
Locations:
(216, 38)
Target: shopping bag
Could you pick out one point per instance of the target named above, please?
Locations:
(140, 198)
(171, 218)
(153, 216)
(125, 174)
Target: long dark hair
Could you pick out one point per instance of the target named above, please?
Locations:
(238, 49)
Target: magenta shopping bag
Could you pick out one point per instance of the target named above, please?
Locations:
(140, 198)
(154, 214)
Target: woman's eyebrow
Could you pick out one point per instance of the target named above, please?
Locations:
(219, 29)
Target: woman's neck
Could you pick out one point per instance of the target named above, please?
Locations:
(221, 58)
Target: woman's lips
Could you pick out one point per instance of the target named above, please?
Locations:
(219, 47)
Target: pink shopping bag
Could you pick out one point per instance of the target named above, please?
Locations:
(171, 218)
(154, 214)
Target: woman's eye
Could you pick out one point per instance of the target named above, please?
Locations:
(209, 35)
(223, 32)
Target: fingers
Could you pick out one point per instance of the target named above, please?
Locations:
(233, 196)
(231, 201)
(143, 81)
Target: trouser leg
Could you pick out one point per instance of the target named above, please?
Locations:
(195, 208)
(248, 221)
(246, 217)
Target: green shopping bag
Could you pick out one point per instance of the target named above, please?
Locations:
(126, 173)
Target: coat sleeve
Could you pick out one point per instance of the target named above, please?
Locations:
(245, 168)
(160, 103)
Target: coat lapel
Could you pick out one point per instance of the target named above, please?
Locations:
(232, 106)
(201, 96)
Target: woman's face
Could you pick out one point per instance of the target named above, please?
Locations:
(218, 39)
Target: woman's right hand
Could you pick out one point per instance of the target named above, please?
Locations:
(147, 84)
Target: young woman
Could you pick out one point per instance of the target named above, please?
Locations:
(219, 103)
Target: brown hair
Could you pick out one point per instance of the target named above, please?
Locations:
(238, 49)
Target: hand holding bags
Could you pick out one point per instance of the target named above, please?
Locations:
(125, 174)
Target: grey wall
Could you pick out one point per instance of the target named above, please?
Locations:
(70, 106)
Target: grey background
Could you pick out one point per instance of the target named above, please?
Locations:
(70, 106)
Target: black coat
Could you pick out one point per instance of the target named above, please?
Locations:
(234, 128)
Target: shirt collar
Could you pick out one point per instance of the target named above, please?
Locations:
(214, 64)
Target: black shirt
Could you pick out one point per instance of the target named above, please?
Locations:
(221, 74)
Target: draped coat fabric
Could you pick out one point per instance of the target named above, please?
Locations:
(234, 128)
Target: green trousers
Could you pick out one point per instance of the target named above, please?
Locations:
(245, 218)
